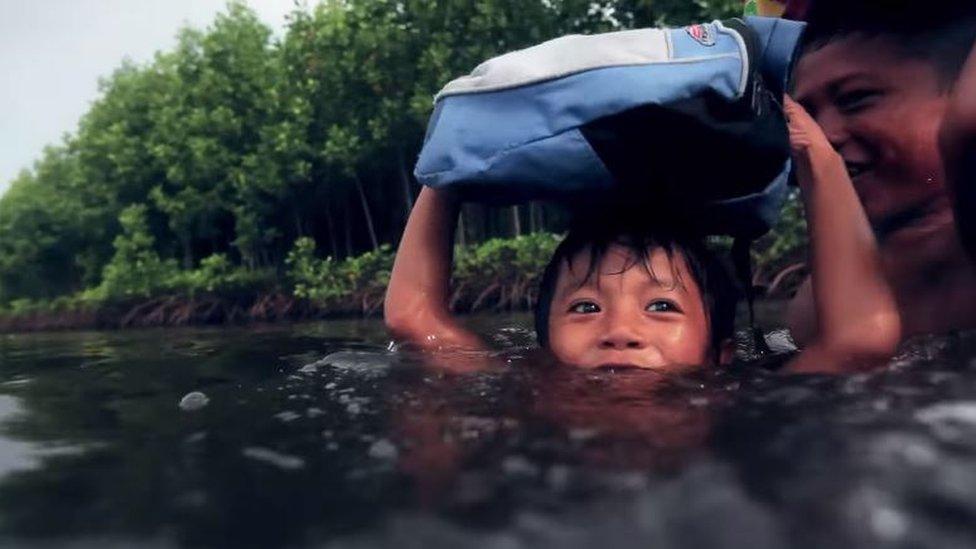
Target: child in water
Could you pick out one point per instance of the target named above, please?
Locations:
(623, 295)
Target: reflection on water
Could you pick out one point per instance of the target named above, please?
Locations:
(318, 434)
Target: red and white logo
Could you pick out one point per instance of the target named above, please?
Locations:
(703, 34)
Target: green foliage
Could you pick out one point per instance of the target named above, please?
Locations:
(352, 284)
(508, 261)
(502, 273)
(202, 170)
(499, 273)
(785, 245)
(217, 274)
(314, 278)
(135, 270)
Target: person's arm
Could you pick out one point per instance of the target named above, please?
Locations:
(801, 314)
(857, 316)
(417, 305)
(958, 143)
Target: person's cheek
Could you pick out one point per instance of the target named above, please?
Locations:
(916, 142)
(683, 343)
(567, 342)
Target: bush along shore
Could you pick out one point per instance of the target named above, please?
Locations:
(138, 288)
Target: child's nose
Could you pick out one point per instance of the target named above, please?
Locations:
(621, 338)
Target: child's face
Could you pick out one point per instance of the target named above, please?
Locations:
(882, 112)
(623, 316)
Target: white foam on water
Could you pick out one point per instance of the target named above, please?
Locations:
(383, 449)
(961, 412)
(888, 524)
(519, 466)
(359, 361)
(287, 416)
(193, 401)
(266, 455)
(951, 420)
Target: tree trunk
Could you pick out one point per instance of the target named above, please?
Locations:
(533, 228)
(331, 228)
(405, 180)
(516, 222)
(369, 216)
(187, 252)
(348, 228)
(298, 223)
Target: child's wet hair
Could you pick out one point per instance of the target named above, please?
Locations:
(596, 236)
(940, 32)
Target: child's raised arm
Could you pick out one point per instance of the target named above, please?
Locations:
(857, 316)
(417, 300)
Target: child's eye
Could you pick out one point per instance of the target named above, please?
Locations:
(856, 100)
(663, 306)
(584, 308)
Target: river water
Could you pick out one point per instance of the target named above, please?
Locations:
(320, 435)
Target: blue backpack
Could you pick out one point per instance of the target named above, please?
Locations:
(691, 117)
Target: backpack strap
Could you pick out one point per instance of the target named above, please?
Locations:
(742, 261)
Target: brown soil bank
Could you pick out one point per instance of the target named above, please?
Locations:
(244, 308)
(173, 311)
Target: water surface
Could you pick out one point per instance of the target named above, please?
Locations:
(320, 435)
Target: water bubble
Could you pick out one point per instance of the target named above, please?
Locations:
(558, 477)
(519, 466)
(383, 449)
(949, 420)
(583, 435)
(196, 437)
(314, 412)
(193, 401)
(287, 416)
(266, 455)
(888, 524)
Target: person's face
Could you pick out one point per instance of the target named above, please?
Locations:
(882, 112)
(624, 316)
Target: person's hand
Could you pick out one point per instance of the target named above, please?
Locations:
(811, 149)
(806, 136)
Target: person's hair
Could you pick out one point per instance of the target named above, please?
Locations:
(717, 287)
(940, 32)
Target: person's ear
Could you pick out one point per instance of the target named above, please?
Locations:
(726, 352)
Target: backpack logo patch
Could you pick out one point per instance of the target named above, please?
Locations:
(703, 34)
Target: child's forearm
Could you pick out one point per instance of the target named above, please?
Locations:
(417, 300)
(857, 316)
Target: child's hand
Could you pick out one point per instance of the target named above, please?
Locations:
(806, 136)
(812, 152)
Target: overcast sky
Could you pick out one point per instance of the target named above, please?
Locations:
(52, 53)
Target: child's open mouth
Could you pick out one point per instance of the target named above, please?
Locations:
(620, 366)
